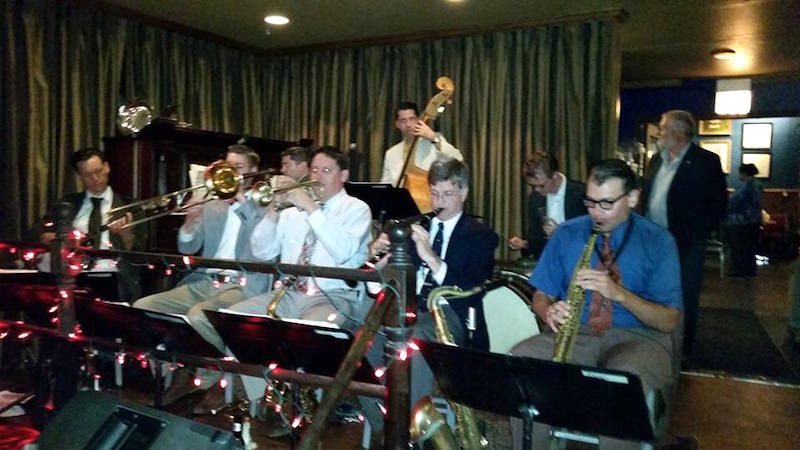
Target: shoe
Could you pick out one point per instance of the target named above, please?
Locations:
(212, 403)
(181, 386)
(279, 430)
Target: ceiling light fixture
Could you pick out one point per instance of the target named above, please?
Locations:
(276, 20)
(723, 53)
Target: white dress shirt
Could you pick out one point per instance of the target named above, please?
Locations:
(342, 230)
(555, 201)
(425, 155)
(81, 223)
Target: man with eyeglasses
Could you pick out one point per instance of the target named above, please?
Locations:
(430, 146)
(220, 229)
(456, 250)
(555, 198)
(89, 216)
(685, 191)
(633, 292)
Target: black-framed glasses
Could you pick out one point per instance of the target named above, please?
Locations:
(606, 203)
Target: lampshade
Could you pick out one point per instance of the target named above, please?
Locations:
(734, 97)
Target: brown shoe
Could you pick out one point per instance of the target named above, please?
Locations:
(212, 403)
(180, 387)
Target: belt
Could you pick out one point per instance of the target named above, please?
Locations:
(225, 278)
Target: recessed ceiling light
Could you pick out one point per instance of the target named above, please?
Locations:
(723, 53)
(276, 20)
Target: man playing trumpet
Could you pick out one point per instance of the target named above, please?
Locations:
(632, 302)
(332, 230)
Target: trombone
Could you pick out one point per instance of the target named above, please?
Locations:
(222, 181)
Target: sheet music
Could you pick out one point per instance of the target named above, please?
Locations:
(197, 177)
(17, 271)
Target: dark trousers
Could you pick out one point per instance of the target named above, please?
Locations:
(692, 259)
(743, 240)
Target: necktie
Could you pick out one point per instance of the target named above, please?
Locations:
(95, 221)
(601, 308)
(427, 285)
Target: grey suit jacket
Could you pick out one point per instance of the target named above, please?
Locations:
(208, 235)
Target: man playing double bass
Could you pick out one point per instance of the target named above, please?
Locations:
(430, 146)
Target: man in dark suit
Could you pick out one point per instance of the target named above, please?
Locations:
(456, 250)
(555, 198)
(685, 191)
(89, 209)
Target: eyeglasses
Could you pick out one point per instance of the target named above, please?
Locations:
(96, 173)
(324, 170)
(443, 195)
(605, 204)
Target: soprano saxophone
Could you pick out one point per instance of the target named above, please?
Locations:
(576, 298)
(467, 426)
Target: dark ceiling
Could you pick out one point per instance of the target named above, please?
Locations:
(660, 40)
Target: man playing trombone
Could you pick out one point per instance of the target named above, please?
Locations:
(89, 216)
(221, 229)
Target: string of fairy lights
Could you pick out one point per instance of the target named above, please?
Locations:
(77, 260)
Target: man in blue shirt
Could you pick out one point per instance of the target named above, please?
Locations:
(633, 291)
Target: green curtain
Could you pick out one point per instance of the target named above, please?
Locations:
(69, 68)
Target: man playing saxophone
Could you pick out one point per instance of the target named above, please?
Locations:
(629, 292)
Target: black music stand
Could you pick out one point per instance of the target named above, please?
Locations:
(384, 200)
(260, 340)
(140, 328)
(578, 398)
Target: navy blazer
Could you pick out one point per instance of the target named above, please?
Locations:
(470, 262)
(697, 197)
(573, 207)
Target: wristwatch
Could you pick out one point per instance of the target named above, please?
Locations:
(436, 140)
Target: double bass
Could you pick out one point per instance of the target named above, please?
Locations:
(413, 178)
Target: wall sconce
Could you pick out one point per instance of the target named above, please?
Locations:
(734, 97)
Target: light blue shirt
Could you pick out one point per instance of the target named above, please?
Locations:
(657, 203)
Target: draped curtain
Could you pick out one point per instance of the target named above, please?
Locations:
(69, 67)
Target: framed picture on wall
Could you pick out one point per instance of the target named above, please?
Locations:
(762, 161)
(716, 127)
(722, 147)
(756, 136)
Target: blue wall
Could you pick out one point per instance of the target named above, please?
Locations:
(772, 102)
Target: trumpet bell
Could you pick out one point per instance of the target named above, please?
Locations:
(223, 179)
(263, 193)
(131, 119)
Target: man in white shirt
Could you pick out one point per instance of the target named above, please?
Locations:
(333, 231)
(221, 229)
(554, 199)
(89, 210)
(430, 145)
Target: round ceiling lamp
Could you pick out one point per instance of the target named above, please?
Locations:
(723, 53)
(276, 20)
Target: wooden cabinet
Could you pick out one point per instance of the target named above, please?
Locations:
(156, 162)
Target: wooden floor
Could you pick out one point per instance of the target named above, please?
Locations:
(721, 412)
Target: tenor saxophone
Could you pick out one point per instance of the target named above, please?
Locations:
(466, 425)
(576, 298)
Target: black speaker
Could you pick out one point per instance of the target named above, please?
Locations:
(93, 420)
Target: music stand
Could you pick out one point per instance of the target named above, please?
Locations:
(384, 200)
(141, 328)
(260, 340)
(578, 398)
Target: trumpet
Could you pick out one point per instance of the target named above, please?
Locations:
(264, 192)
(222, 180)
